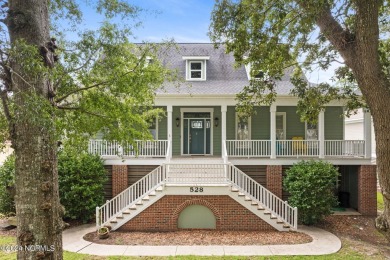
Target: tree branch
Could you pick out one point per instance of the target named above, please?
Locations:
(82, 110)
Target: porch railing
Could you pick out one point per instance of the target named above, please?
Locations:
(295, 148)
(271, 202)
(153, 148)
(195, 173)
(248, 148)
(292, 148)
(345, 148)
(130, 196)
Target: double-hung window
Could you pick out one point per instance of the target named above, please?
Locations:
(196, 67)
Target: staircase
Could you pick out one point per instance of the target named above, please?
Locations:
(239, 187)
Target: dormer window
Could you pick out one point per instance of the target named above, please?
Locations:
(196, 67)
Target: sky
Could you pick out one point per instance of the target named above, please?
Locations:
(185, 21)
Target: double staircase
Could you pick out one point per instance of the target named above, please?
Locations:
(226, 177)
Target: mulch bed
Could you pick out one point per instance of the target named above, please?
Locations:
(201, 237)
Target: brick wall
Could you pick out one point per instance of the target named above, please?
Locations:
(367, 204)
(163, 215)
(119, 179)
(274, 179)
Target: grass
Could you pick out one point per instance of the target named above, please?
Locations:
(379, 197)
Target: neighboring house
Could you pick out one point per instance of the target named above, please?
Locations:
(209, 168)
(354, 129)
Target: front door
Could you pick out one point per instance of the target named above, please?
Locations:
(196, 133)
(197, 136)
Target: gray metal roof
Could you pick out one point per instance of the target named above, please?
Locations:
(222, 77)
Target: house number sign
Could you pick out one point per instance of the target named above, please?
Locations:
(196, 189)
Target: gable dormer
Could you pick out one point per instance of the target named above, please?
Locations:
(196, 67)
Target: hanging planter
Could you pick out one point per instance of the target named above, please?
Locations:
(103, 232)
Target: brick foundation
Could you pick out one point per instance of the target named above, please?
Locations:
(119, 179)
(367, 204)
(275, 179)
(163, 215)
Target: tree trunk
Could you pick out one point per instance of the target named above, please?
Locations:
(38, 210)
(360, 53)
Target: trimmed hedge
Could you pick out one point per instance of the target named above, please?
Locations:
(312, 186)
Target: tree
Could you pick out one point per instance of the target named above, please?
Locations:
(274, 35)
(58, 89)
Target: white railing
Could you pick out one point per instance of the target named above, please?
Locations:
(271, 202)
(297, 148)
(248, 148)
(130, 196)
(154, 148)
(345, 148)
(196, 174)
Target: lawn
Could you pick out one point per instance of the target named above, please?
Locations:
(380, 204)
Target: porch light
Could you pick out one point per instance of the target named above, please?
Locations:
(177, 122)
(216, 121)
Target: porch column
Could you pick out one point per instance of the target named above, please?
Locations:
(273, 131)
(169, 112)
(223, 124)
(321, 133)
(367, 133)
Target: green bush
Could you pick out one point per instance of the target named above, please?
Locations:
(81, 179)
(7, 182)
(312, 185)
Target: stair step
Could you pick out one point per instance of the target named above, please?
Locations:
(119, 217)
(254, 203)
(286, 226)
(241, 194)
(153, 193)
(139, 202)
(113, 221)
(126, 212)
(280, 221)
(234, 189)
(273, 217)
(160, 188)
(247, 198)
(260, 208)
(133, 207)
(267, 213)
(146, 198)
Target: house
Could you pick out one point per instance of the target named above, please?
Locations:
(209, 168)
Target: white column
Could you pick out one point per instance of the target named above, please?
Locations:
(321, 133)
(273, 131)
(169, 123)
(367, 133)
(223, 124)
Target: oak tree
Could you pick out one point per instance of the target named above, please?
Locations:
(60, 81)
(273, 35)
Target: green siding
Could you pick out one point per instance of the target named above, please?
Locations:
(261, 124)
(217, 132)
(176, 131)
(163, 126)
(230, 123)
(294, 126)
(334, 123)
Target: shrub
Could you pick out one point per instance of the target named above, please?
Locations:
(311, 185)
(7, 182)
(81, 180)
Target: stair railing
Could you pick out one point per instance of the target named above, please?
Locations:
(270, 201)
(130, 196)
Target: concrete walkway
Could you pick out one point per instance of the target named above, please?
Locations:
(323, 243)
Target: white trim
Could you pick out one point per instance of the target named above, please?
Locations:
(284, 123)
(196, 110)
(196, 57)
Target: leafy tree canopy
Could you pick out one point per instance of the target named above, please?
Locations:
(100, 81)
(275, 35)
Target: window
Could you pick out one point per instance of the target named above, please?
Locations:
(280, 126)
(153, 128)
(243, 128)
(196, 67)
(311, 131)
